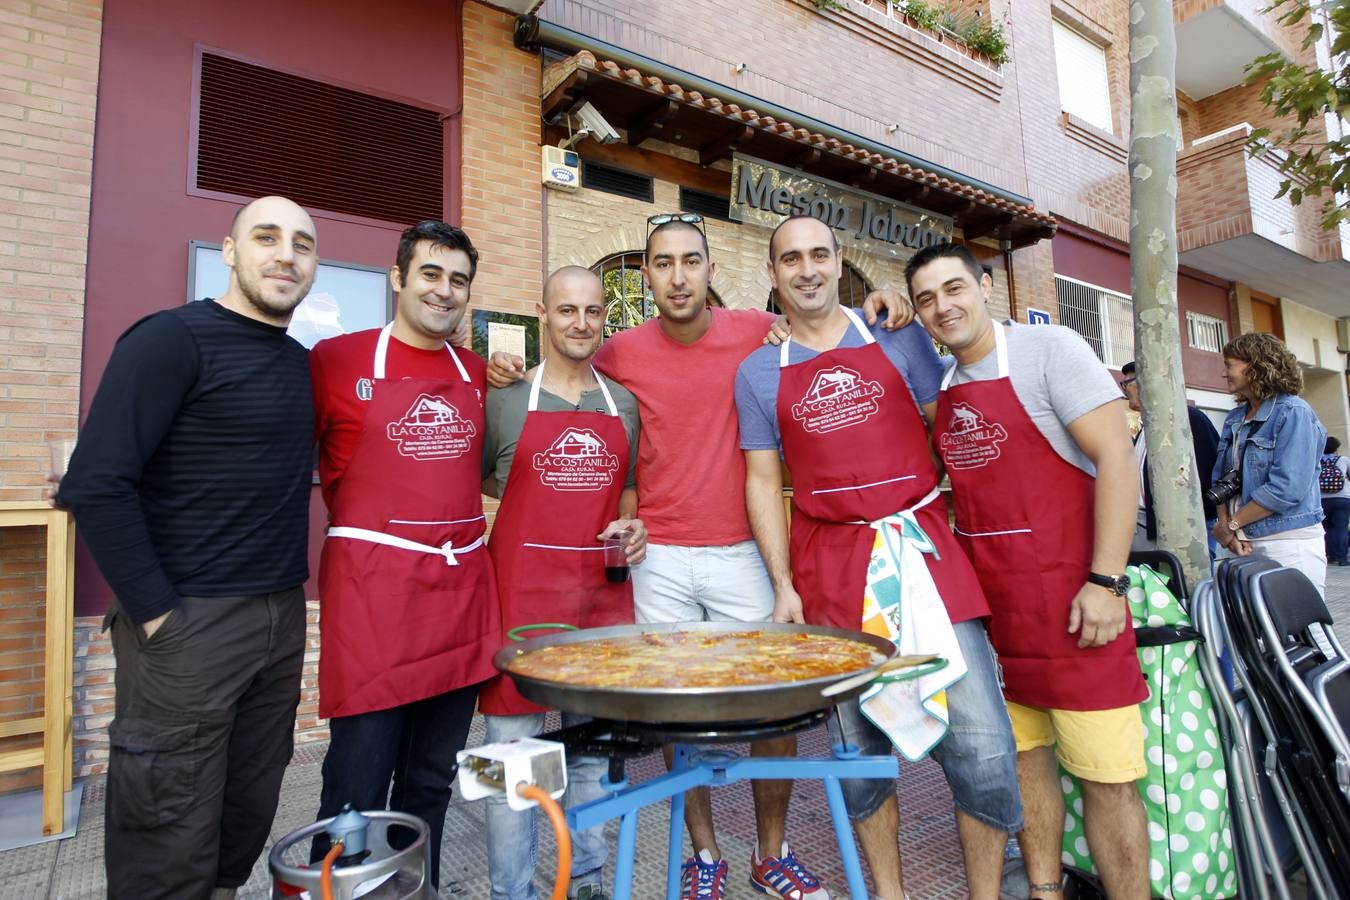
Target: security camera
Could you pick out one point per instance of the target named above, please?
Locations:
(592, 121)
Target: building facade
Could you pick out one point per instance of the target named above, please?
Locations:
(129, 134)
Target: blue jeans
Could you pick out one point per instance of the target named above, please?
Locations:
(513, 837)
(1337, 510)
(402, 758)
(977, 755)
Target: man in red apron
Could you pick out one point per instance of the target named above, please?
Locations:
(408, 602)
(840, 402)
(1031, 429)
(702, 563)
(559, 451)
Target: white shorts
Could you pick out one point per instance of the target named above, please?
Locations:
(702, 584)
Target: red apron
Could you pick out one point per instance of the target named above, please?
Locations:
(858, 452)
(408, 605)
(1024, 515)
(566, 477)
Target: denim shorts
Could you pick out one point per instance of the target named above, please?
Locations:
(977, 754)
(702, 584)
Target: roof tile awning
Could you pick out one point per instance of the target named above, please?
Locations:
(645, 106)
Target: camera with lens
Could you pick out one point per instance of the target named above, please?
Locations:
(1224, 488)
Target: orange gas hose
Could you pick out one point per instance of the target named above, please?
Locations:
(326, 876)
(555, 816)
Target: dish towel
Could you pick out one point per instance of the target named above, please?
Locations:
(901, 603)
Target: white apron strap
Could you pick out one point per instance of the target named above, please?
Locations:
(539, 379)
(382, 353)
(853, 317)
(1000, 356)
(389, 540)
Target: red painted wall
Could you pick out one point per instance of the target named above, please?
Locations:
(142, 214)
(1098, 260)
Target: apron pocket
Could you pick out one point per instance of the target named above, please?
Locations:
(152, 772)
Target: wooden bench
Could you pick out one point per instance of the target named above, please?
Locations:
(54, 756)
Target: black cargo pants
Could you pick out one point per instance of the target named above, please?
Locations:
(205, 710)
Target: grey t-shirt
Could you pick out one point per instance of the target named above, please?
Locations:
(1056, 377)
(506, 408)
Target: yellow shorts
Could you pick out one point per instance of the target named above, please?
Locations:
(1102, 745)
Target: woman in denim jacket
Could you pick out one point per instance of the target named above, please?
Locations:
(1274, 438)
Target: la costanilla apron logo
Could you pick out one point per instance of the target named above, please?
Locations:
(577, 461)
(969, 441)
(432, 429)
(838, 398)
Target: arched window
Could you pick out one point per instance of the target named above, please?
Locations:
(853, 288)
(628, 301)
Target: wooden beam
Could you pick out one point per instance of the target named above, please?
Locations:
(16, 727)
(649, 120)
(809, 157)
(648, 162)
(978, 228)
(723, 147)
(564, 97)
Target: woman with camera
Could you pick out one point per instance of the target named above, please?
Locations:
(1265, 479)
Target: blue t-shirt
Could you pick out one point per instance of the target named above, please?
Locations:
(909, 349)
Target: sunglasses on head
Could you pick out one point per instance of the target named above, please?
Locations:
(655, 222)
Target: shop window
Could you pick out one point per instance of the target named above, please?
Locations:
(1103, 317)
(613, 180)
(628, 302)
(394, 172)
(1084, 89)
(1206, 332)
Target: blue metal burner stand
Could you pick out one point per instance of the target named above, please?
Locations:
(696, 767)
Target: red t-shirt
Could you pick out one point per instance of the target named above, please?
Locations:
(341, 370)
(690, 470)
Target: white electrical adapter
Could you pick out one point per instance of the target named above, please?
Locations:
(489, 770)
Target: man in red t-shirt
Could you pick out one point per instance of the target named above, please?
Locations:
(408, 602)
(702, 562)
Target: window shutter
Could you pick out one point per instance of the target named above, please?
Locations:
(1084, 89)
(260, 131)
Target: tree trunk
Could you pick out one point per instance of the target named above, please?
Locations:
(1154, 138)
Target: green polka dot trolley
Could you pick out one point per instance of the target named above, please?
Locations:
(1186, 789)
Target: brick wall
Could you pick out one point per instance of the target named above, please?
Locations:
(49, 53)
(503, 204)
(1003, 126)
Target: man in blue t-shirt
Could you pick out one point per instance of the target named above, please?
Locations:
(839, 404)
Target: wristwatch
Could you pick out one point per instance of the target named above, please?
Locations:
(1233, 526)
(1116, 584)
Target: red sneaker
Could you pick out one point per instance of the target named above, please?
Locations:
(785, 877)
(703, 878)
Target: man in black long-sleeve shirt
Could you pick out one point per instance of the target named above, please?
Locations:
(191, 484)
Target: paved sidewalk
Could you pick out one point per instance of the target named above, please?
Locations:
(73, 869)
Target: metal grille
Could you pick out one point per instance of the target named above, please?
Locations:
(1206, 332)
(1103, 317)
(613, 180)
(709, 206)
(343, 150)
(627, 300)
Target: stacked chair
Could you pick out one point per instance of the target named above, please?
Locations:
(1281, 686)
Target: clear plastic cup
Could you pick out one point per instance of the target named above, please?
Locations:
(616, 558)
(61, 451)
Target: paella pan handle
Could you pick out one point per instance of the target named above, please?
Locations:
(514, 633)
(898, 669)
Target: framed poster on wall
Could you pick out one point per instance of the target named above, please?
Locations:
(346, 297)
